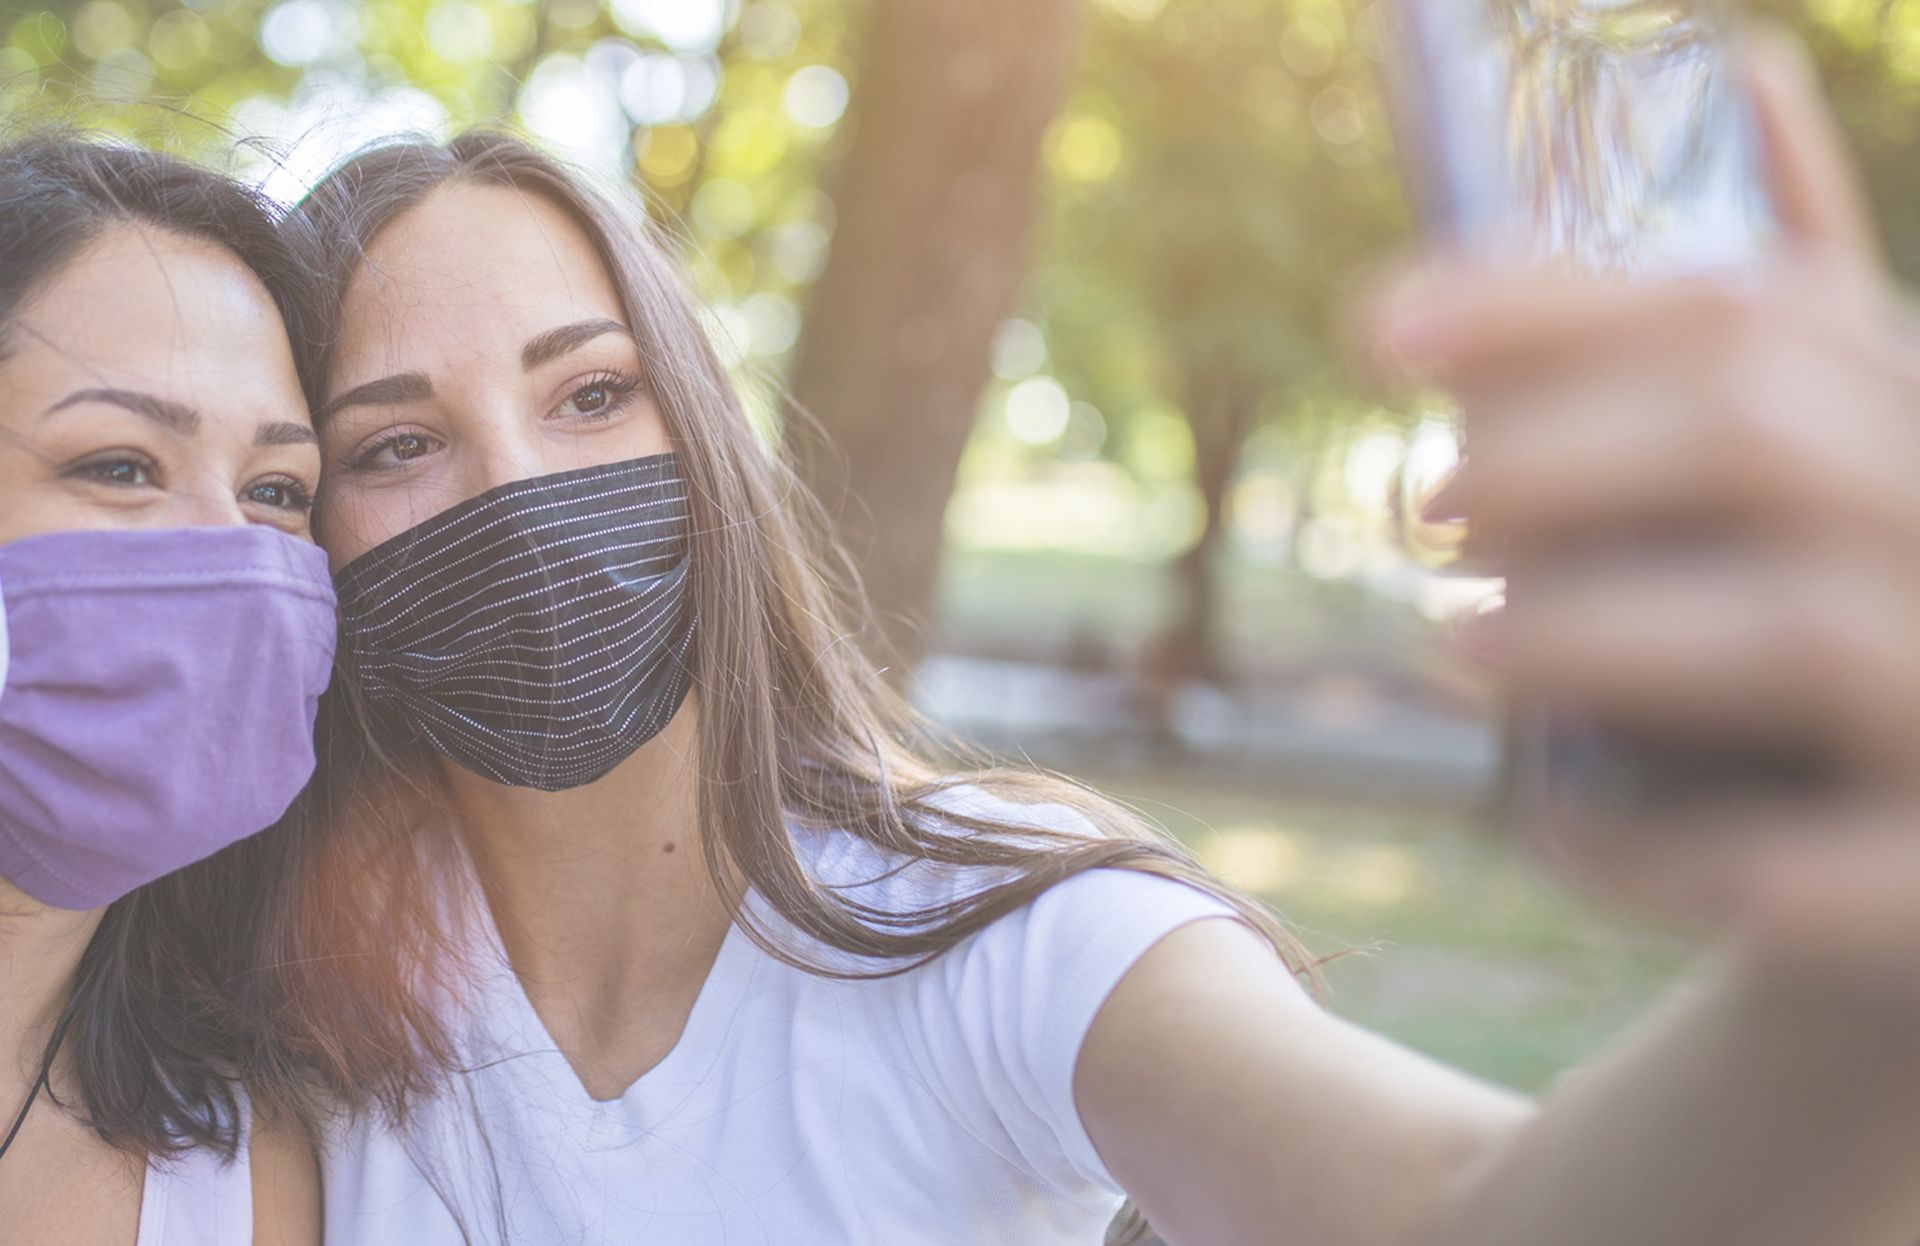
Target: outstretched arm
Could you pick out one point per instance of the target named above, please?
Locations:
(1777, 1102)
(1752, 1113)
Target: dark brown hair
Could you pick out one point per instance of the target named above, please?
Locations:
(146, 1029)
(796, 726)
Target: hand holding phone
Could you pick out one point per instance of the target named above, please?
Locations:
(1614, 136)
(1784, 405)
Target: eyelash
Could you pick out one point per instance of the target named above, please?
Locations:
(364, 460)
(91, 469)
(301, 496)
(620, 387)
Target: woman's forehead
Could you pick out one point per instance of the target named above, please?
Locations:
(164, 314)
(133, 283)
(470, 249)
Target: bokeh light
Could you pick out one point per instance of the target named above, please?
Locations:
(1037, 410)
(816, 95)
(684, 25)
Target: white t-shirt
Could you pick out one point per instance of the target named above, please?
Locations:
(199, 1199)
(935, 1106)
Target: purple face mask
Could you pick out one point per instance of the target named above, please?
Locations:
(157, 700)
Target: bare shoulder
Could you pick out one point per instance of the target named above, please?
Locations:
(286, 1185)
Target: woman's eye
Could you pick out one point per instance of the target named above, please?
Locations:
(121, 471)
(280, 495)
(392, 450)
(590, 399)
(599, 398)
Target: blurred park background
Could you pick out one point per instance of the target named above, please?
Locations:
(1063, 280)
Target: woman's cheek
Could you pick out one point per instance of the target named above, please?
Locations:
(343, 527)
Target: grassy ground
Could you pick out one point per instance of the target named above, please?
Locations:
(1469, 955)
(1047, 604)
(1465, 953)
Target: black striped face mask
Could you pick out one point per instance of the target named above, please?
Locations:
(538, 634)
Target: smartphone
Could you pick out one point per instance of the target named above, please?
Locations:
(1614, 135)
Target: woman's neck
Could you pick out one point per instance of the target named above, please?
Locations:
(40, 950)
(603, 900)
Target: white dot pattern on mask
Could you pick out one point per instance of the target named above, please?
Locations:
(537, 634)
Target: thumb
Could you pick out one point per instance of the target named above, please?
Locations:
(1816, 194)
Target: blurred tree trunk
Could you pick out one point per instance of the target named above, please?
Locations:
(933, 200)
(1221, 412)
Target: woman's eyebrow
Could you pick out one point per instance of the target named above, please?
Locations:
(388, 391)
(182, 420)
(284, 433)
(556, 342)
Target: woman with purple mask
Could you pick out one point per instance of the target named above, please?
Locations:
(166, 628)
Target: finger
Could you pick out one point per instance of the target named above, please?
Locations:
(1815, 191)
(1828, 887)
(1610, 449)
(1676, 869)
(1841, 891)
(1432, 320)
(1655, 645)
(1833, 881)
(1459, 325)
(1784, 442)
(1763, 650)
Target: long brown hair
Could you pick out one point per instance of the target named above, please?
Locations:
(148, 1031)
(796, 726)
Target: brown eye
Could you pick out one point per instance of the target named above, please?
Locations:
(601, 398)
(280, 495)
(390, 451)
(121, 471)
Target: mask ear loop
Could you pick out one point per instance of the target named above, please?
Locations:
(6, 651)
(6, 648)
(40, 1082)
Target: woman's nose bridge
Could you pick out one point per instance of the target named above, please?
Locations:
(504, 445)
(503, 459)
(209, 505)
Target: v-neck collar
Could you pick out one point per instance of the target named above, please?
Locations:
(508, 1027)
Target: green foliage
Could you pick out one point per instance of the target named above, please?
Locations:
(1226, 172)
(1219, 177)
(721, 119)
(1458, 949)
